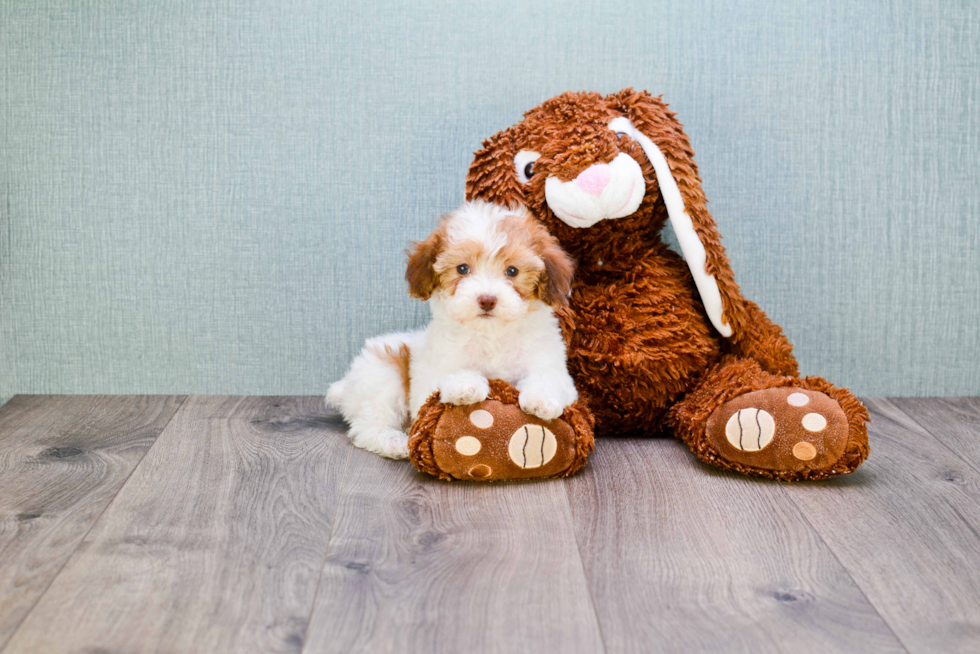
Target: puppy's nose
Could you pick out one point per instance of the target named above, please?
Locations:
(487, 302)
(594, 179)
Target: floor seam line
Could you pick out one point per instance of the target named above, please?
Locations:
(581, 562)
(326, 552)
(3, 646)
(806, 519)
(911, 417)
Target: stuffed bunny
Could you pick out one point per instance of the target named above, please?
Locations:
(658, 343)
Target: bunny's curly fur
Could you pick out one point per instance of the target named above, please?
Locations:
(639, 342)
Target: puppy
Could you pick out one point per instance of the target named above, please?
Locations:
(492, 277)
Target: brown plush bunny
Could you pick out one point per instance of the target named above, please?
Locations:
(656, 344)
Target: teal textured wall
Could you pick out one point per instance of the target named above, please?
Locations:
(215, 197)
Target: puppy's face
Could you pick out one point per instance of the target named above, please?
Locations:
(488, 265)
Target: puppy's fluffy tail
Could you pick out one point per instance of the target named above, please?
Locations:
(335, 394)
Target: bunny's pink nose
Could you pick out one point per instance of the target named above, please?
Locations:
(594, 179)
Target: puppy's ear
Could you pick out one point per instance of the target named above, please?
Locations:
(555, 284)
(420, 273)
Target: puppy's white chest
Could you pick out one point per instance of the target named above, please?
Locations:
(495, 358)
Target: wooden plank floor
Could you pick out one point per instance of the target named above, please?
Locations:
(219, 524)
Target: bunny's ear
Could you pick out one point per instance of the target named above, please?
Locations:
(491, 176)
(647, 121)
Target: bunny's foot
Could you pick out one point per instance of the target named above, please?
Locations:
(494, 440)
(745, 419)
(782, 429)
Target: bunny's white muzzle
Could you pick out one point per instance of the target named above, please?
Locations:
(600, 192)
(614, 190)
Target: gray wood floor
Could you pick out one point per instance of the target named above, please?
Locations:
(215, 524)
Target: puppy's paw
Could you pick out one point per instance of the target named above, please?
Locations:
(546, 396)
(390, 443)
(395, 445)
(540, 404)
(464, 388)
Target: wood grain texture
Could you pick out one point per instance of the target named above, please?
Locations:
(954, 421)
(62, 461)
(422, 565)
(215, 543)
(250, 524)
(906, 526)
(681, 557)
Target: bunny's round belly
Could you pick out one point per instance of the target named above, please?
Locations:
(638, 342)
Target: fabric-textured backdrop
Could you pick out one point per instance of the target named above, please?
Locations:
(215, 197)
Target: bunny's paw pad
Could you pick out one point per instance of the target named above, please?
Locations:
(495, 440)
(780, 429)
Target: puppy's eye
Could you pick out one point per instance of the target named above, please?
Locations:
(463, 269)
(524, 164)
(620, 135)
(511, 271)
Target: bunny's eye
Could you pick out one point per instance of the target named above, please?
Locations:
(511, 271)
(463, 269)
(621, 127)
(524, 165)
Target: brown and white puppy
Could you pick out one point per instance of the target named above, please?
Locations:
(492, 276)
